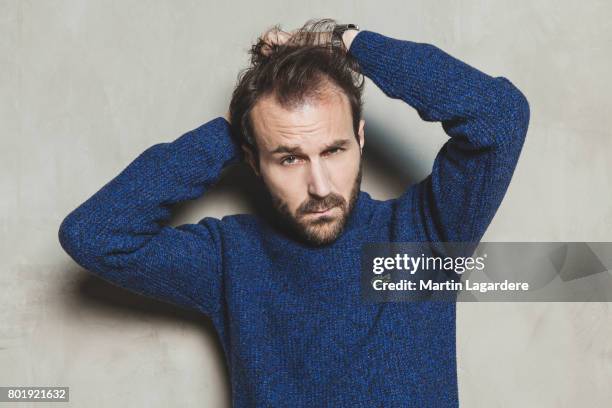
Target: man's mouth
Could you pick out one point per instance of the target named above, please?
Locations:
(321, 212)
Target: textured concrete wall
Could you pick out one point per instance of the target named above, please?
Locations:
(85, 86)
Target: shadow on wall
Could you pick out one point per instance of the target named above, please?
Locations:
(91, 296)
(397, 163)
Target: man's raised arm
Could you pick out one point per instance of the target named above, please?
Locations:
(486, 118)
(117, 232)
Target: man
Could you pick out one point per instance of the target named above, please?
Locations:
(285, 296)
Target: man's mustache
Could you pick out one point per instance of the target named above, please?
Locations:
(332, 200)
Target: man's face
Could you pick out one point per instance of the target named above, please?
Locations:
(310, 162)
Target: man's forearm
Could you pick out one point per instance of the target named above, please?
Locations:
(441, 87)
(124, 214)
(486, 118)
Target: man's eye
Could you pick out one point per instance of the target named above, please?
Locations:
(288, 160)
(334, 150)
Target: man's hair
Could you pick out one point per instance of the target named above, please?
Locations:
(304, 68)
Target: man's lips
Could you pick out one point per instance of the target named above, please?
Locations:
(328, 210)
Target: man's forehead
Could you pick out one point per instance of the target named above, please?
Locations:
(314, 122)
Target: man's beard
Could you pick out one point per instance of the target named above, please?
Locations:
(323, 229)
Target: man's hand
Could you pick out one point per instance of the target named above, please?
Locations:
(275, 36)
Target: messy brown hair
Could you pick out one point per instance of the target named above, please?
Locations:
(294, 72)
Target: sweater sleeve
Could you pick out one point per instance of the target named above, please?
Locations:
(118, 234)
(486, 118)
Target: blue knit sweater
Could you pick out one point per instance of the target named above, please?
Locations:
(293, 327)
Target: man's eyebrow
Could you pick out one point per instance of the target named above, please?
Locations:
(296, 149)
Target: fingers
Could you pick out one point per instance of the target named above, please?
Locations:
(274, 37)
(277, 37)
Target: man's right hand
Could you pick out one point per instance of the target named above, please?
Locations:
(274, 36)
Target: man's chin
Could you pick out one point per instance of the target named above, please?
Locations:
(322, 234)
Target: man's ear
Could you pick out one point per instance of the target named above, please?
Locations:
(361, 134)
(249, 155)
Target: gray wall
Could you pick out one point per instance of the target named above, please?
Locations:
(87, 85)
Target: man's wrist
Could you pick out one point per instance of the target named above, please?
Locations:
(348, 36)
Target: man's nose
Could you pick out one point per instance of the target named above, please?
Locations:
(319, 184)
